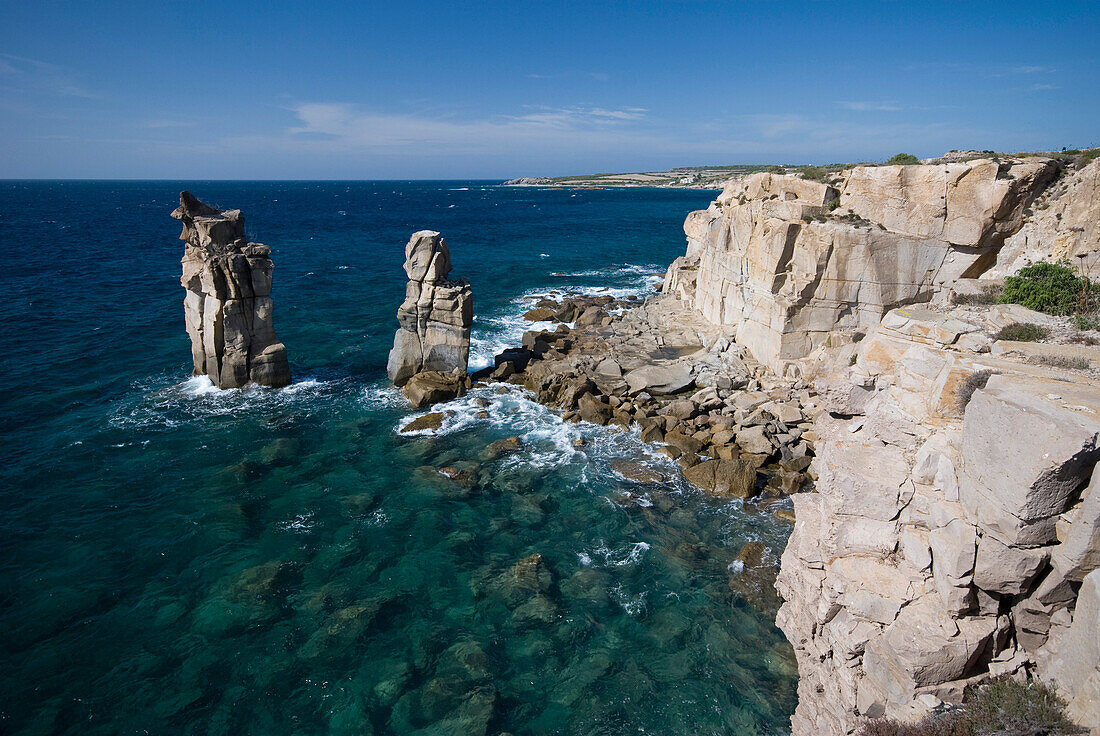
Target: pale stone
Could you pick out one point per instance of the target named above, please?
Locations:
(1065, 225)
(228, 310)
(660, 380)
(1074, 662)
(953, 550)
(1023, 456)
(1007, 570)
(436, 316)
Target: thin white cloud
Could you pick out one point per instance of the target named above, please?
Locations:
(1041, 87)
(39, 76)
(353, 127)
(865, 106)
(165, 123)
(1031, 69)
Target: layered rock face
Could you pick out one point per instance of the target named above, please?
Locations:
(955, 531)
(228, 307)
(435, 318)
(1065, 225)
(785, 262)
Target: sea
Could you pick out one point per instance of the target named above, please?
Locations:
(177, 559)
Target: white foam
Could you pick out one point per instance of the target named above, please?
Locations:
(300, 524)
(617, 558)
(633, 605)
(200, 386)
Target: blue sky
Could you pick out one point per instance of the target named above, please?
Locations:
(445, 89)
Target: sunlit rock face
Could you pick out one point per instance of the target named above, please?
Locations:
(436, 316)
(227, 307)
(954, 535)
(785, 262)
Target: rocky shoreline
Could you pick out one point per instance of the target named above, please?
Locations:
(832, 342)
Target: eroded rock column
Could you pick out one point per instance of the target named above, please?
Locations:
(228, 307)
(433, 340)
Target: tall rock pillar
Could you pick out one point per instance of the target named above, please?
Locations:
(227, 307)
(435, 318)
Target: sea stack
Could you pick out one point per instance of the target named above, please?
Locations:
(228, 308)
(433, 340)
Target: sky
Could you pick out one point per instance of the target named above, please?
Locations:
(439, 89)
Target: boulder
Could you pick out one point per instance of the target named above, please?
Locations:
(228, 311)
(754, 440)
(727, 478)
(1007, 570)
(1073, 657)
(431, 387)
(1023, 456)
(435, 318)
(660, 380)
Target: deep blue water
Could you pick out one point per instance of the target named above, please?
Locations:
(174, 559)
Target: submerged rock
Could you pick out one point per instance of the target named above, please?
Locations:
(436, 315)
(228, 308)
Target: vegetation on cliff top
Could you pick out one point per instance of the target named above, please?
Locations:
(1000, 706)
(903, 159)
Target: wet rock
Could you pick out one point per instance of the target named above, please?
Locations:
(683, 442)
(727, 478)
(359, 504)
(463, 477)
(252, 598)
(504, 446)
(282, 452)
(339, 633)
(528, 577)
(431, 421)
(593, 410)
(540, 314)
(431, 387)
(638, 471)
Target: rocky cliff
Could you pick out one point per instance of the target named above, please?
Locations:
(955, 518)
(953, 533)
(435, 320)
(227, 307)
(785, 262)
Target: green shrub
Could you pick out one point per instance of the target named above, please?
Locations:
(813, 173)
(1053, 288)
(903, 159)
(1085, 321)
(999, 706)
(1087, 157)
(832, 204)
(1021, 332)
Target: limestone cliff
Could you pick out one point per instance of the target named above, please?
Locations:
(786, 262)
(1065, 224)
(436, 316)
(954, 530)
(227, 307)
(952, 525)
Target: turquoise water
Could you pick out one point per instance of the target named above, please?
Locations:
(176, 559)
